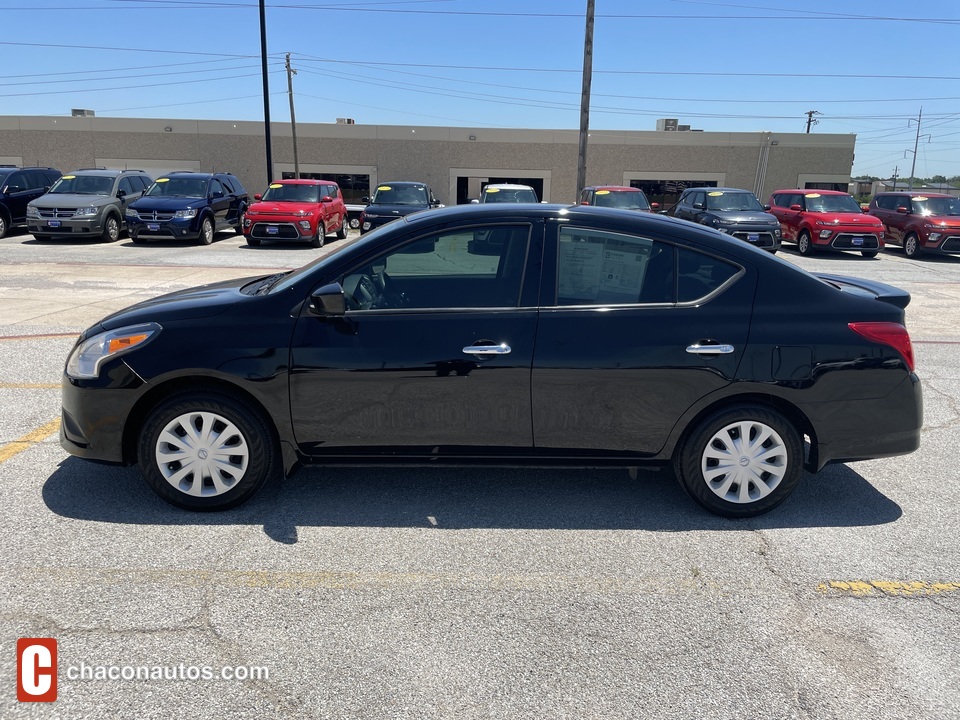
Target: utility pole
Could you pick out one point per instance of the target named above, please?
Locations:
(293, 119)
(811, 120)
(916, 143)
(895, 171)
(585, 100)
(266, 91)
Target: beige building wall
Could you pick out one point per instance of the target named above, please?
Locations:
(761, 161)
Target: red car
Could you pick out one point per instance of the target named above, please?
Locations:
(825, 220)
(296, 210)
(920, 222)
(617, 196)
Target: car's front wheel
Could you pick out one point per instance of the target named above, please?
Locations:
(111, 229)
(804, 244)
(205, 451)
(911, 245)
(206, 231)
(741, 461)
(869, 253)
(342, 230)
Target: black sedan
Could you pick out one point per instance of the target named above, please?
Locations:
(580, 335)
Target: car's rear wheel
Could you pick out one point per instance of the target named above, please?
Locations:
(206, 231)
(205, 451)
(342, 230)
(238, 228)
(804, 244)
(741, 462)
(911, 245)
(3, 226)
(354, 223)
(869, 253)
(111, 229)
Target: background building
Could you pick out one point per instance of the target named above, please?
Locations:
(455, 161)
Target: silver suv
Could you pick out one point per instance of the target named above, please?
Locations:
(86, 203)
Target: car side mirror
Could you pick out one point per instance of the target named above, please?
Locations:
(216, 194)
(121, 193)
(328, 301)
(698, 206)
(365, 199)
(654, 206)
(258, 196)
(797, 208)
(903, 211)
(326, 199)
(766, 208)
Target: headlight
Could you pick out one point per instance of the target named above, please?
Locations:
(928, 226)
(32, 212)
(828, 222)
(88, 356)
(776, 231)
(185, 214)
(366, 226)
(131, 213)
(304, 213)
(86, 212)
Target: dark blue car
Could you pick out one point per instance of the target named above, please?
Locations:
(188, 206)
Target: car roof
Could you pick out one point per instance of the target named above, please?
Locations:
(614, 188)
(810, 191)
(402, 183)
(720, 189)
(300, 181)
(101, 172)
(915, 193)
(507, 186)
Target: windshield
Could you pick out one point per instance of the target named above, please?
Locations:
(832, 203)
(401, 195)
(727, 201)
(278, 192)
(83, 185)
(622, 199)
(936, 206)
(509, 195)
(179, 187)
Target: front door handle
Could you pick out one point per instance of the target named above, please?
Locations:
(699, 349)
(488, 348)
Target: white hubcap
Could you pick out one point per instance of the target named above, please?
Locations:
(202, 454)
(744, 462)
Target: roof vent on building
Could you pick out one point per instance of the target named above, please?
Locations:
(81, 112)
(346, 121)
(668, 124)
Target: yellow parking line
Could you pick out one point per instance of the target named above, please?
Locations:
(889, 588)
(29, 386)
(29, 440)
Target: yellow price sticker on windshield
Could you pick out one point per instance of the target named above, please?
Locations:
(922, 198)
(715, 194)
(274, 186)
(69, 177)
(492, 190)
(603, 192)
(384, 187)
(812, 195)
(163, 179)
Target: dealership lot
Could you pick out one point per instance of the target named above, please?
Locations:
(437, 592)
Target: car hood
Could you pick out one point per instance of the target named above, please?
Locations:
(285, 207)
(398, 210)
(949, 221)
(167, 203)
(847, 219)
(70, 200)
(745, 216)
(198, 302)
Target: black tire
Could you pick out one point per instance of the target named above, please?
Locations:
(318, 241)
(911, 245)
(111, 229)
(869, 253)
(238, 228)
(342, 230)
(4, 226)
(720, 433)
(42, 238)
(252, 241)
(137, 240)
(804, 244)
(206, 231)
(241, 429)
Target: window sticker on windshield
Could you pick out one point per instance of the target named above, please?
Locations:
(384, 187)
(812, 195)
(921, 199)
(163, 179)
(716, 194)
(274, 186)
(492, 190)
(603, 192)
(71, 177)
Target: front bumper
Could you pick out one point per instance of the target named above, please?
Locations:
(66, 227)
(279, 230)
(173, 229)
(847, 238)
(948, 243)
(761, 236)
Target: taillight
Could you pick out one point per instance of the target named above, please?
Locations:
(890, 334)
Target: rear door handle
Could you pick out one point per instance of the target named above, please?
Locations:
(488, 348)
(699, 349)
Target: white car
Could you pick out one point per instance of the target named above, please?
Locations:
(506, 193)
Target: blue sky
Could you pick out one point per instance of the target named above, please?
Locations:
(743, 65)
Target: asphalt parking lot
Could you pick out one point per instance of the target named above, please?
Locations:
(468, 593)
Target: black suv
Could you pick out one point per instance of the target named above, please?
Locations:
(393, 200)
(735, 212)
(188, 206)
(87, 203)
(18, 186)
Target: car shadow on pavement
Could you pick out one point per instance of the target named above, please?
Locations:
(462, 498)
